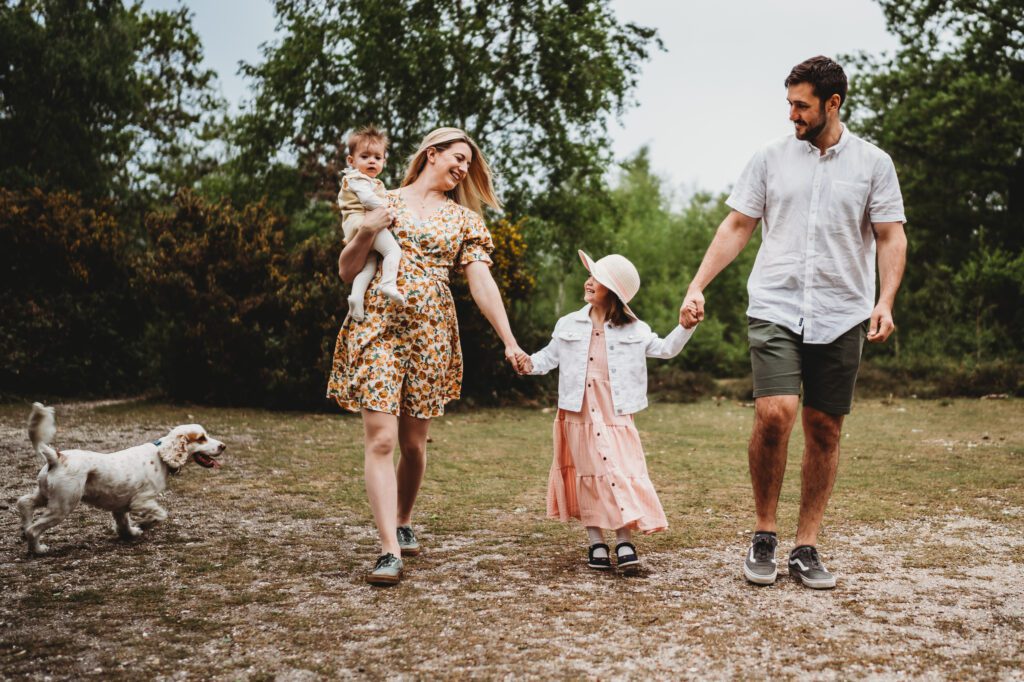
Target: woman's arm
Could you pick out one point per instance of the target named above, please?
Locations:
(353, 256)
(484, 291)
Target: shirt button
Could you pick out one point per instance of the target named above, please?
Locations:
(604, 458)
(591, 359)
(613, 484)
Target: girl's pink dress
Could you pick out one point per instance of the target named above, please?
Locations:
(599, 473)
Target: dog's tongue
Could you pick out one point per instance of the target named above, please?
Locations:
(216, 464)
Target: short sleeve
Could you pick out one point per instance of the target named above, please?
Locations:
(750, 193)
(886, 203)
(476, 240)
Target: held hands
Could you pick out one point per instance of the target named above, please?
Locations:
(881, 325)
(518, 358)
(692, 310)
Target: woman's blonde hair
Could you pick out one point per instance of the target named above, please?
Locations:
(476, 188)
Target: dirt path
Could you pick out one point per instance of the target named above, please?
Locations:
(254, 577)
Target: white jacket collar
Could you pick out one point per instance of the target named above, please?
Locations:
(581, 315)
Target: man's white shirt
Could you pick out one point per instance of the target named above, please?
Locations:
(815, 271)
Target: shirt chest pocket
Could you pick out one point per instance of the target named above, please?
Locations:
(848, 203)
(628, 350)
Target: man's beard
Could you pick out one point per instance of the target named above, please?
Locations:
(811, 134)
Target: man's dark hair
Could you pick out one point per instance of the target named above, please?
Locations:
(825, 76)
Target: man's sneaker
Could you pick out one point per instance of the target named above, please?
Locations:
(759, 567)
(805, 565)
(388, 570)
(407, 541)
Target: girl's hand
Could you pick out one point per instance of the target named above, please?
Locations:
(692, 310)
(525, 363)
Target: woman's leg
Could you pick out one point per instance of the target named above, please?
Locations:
(380, 434)
(412, 439)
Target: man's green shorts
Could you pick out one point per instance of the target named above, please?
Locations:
(781, 361)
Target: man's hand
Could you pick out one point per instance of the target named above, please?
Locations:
(881, 325)
(692, 310)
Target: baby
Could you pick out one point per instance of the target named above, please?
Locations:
(361, 191)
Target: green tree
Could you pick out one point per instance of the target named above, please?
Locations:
(949, 107)
(102, 99)
(534, 81)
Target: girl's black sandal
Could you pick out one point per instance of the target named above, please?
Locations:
(628, 563)
(599, 563)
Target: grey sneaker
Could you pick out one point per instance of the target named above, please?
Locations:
(760, 567)
(388, 570)
(805, 565)
(407, 541)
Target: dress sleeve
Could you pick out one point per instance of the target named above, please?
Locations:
(476, 241)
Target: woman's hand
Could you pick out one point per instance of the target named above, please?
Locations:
(378, 219)
(353, 256)
(516, 357)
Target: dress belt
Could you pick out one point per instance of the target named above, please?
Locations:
(438, 274)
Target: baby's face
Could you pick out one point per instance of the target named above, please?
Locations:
(368, 159)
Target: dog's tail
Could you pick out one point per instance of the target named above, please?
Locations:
(41, 430)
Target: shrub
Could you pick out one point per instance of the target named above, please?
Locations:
(72, 316)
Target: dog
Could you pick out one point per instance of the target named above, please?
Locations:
(125, 483)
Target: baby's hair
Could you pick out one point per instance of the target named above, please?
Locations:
(366, 135)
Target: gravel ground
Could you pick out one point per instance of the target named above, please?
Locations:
(253, 578)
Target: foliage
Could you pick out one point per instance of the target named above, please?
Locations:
(72, 313)
(949, 108)
(533, 81)
(213, 276)
(102, 99)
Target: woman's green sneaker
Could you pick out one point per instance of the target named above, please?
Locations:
(388, 570)
(407, 541)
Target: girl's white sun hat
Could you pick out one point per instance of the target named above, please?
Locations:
(616, 273)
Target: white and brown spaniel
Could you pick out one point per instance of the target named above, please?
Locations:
(125, 483)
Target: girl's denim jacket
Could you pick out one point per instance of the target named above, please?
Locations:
(629, 346)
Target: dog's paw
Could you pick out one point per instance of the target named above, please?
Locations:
(130, 533)
(40, 549)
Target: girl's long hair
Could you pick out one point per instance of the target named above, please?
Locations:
(476, 188)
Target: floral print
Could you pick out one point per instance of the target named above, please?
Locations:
(407, 360)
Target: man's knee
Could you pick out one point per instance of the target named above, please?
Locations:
(822, 430)
(774, 420)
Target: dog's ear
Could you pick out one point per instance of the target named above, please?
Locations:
(173, 450)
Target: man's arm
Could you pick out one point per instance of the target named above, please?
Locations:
(892, 259)
(732, 235)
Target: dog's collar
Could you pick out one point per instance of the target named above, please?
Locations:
(173, 470)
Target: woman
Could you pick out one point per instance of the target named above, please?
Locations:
(399, 366)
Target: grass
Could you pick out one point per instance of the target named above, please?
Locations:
(259, 571)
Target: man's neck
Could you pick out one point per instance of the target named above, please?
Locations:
(829, 137)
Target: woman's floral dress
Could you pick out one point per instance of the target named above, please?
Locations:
(408, 360)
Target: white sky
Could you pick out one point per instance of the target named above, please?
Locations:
(703, 106)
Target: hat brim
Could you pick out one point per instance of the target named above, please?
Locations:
(602, 277)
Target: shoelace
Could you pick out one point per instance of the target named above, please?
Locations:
(385, 560)
(810, 557)
(763, 548)
(405, 535)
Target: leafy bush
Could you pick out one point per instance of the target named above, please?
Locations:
(72, 314)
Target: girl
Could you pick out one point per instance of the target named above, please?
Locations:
(599, 474)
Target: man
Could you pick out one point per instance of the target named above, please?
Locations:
(827, 199)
